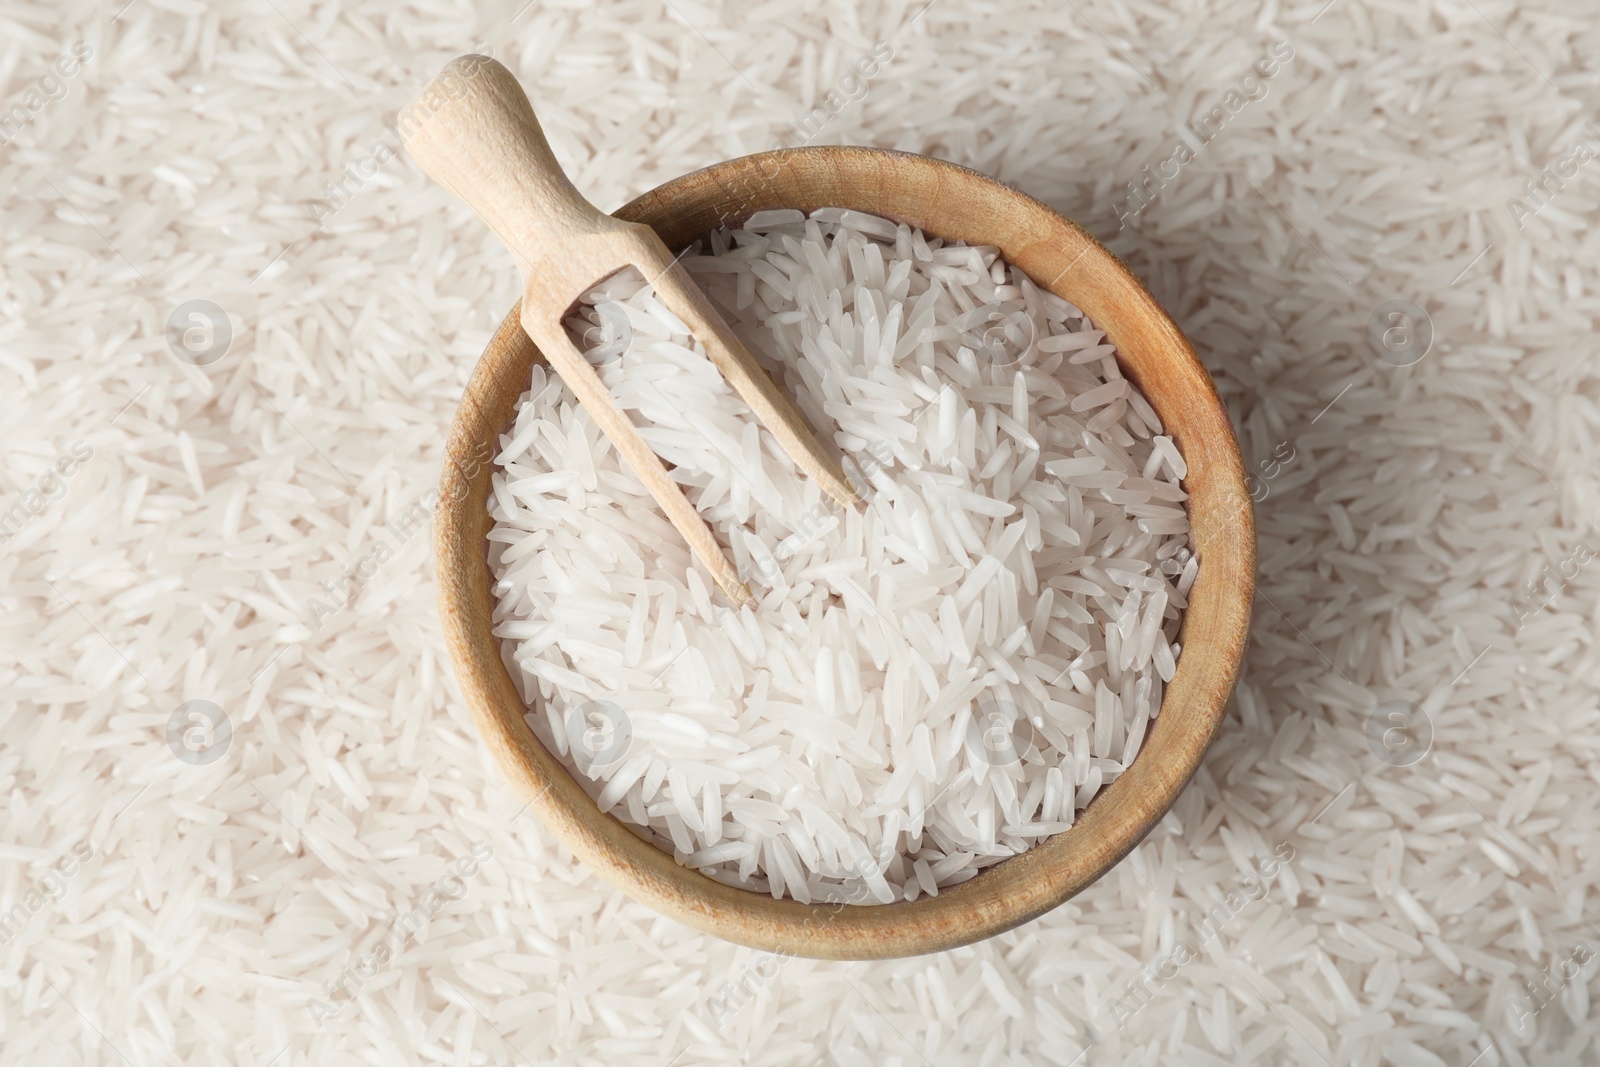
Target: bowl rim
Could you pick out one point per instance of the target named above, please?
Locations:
(1152, 351)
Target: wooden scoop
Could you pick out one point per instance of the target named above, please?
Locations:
(473, 131)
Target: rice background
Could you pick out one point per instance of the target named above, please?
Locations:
(340, 829)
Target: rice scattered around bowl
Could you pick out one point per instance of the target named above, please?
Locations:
(922, 688)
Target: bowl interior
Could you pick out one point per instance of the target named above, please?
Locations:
(951, 202)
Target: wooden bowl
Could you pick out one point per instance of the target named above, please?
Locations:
(952, 202)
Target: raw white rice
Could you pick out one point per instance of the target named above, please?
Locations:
(923, 688)
(1394, 544)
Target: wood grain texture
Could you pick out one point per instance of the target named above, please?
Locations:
(473, 131)
(954, 203)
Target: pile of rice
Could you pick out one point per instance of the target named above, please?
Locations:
(1432, 912)
(923, 687)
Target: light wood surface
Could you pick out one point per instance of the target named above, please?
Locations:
(958, 204)
(474, 132)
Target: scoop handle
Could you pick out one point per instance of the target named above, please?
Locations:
(473, 131)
